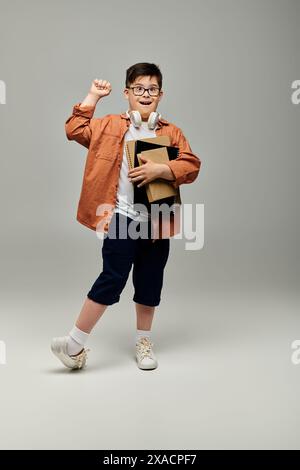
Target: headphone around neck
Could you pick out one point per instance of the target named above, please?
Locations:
(136, 119)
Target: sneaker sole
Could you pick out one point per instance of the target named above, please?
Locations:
(145, 367)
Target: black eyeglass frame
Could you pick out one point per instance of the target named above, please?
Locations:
(145, 89)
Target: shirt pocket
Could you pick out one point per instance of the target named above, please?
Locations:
(108, 147)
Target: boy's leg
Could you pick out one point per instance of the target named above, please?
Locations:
(148, 271)
(118, 254)
(90, 313)
(144, 316)
(87, 319)
(117, 257)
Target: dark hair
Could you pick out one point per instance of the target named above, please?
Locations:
(145, 69)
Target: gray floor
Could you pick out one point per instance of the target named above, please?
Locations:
(225, 377)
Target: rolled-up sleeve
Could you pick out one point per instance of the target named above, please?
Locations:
(78, 125)
(187, 165)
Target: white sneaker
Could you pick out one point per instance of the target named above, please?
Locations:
(59, 347)
(144, 354)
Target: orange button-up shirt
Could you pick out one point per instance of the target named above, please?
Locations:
(104, 138)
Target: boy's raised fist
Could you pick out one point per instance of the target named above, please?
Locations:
(100, 88)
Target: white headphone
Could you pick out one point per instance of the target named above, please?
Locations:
(136, 119)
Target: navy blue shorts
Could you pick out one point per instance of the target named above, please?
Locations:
(121, 250)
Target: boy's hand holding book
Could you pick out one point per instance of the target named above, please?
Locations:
(149, 171)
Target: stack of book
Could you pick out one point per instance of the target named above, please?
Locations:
(158, 150)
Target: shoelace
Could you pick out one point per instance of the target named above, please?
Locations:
(144, 346)
(82, 357)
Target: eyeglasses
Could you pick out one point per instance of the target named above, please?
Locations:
(140, 90)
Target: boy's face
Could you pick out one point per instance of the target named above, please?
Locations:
(136, 103)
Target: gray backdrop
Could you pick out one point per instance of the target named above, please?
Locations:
(229, 312)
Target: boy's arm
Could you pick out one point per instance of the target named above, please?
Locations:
(78, 125)
(186, 166)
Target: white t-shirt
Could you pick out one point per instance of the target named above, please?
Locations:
(125, 195)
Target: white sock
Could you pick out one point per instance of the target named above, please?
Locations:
(76, 340)
(141, 333)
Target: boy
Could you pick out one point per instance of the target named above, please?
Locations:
(108, 183)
